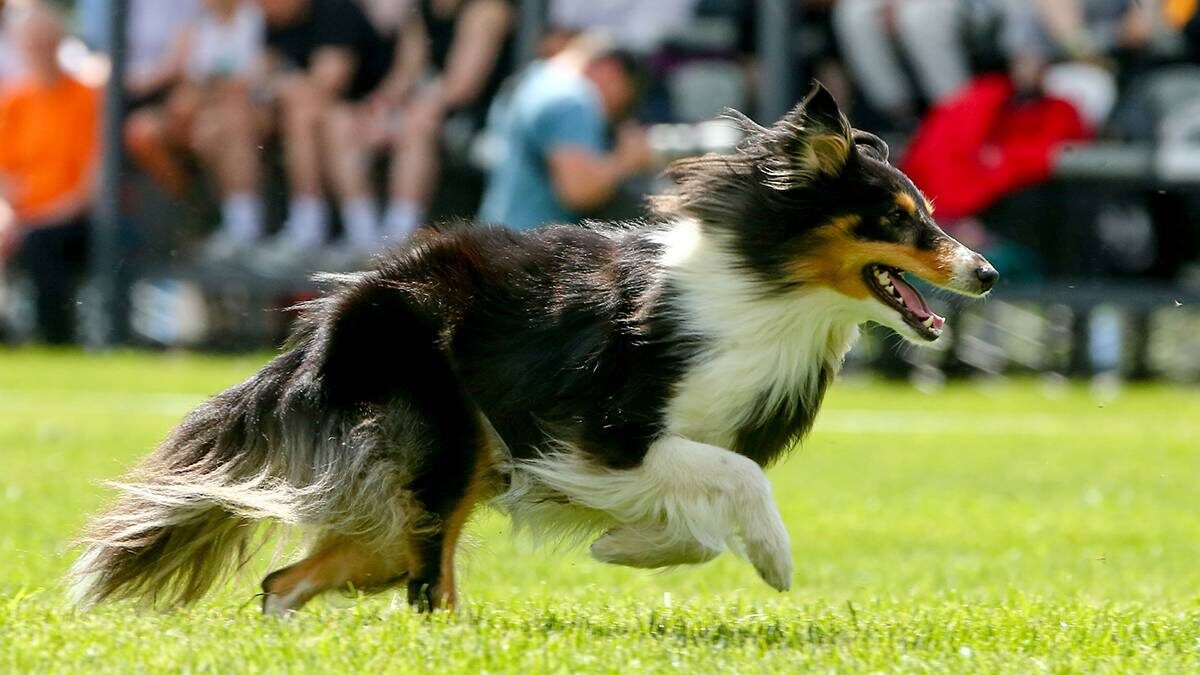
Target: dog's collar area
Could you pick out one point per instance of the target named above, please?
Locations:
(889, 285)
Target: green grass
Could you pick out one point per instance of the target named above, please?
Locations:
(1001, 527)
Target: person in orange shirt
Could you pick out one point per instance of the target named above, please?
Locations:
(48, 160)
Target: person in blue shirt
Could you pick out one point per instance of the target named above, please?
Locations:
(554, 161)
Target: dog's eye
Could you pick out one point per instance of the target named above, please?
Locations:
(897, 215)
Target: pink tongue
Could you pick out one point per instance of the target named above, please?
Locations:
(911, 298)
(914, 301)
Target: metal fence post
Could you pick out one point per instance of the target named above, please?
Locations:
(106, 220)
(776, 90)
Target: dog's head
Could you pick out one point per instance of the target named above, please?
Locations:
(812, 202)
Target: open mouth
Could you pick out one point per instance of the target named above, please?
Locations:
(889, 285)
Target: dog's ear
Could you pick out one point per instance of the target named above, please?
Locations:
(874, 144)
(820, 140)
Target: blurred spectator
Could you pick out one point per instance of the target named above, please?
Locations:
(153, 64)
(388, 16)
(1066, 47)
(212, 115)
(465, 46)
(814, 51)
(1079, 30)
(10, 62)
(635, 25)
(985, 142)
(48, 149)
(554, 163)
(324, 58)
(1000, 134)
(1184, 15)
(929, 33)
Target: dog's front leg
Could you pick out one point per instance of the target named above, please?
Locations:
(650, 547)
(691, 498)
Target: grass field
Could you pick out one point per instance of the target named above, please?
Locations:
(1000, 527)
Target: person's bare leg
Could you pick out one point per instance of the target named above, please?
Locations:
(415, 175)
(932, 34)
(416, 163)
(226, 136)
(146, 139)
(1063, 19)
(240, 164)
(348, 168)
(861, 29)
(301, 111)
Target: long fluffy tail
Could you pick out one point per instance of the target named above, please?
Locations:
(187, 516)
(292, 445)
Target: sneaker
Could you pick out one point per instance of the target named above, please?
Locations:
(346, 257)
(222, 249)
(285, 257)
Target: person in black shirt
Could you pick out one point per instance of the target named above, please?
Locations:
(324, 57)
(466, 50)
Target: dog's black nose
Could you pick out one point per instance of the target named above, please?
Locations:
(987, 276)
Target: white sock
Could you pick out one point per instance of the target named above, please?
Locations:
(308, 221)
(242, 217)
(401, 219)
(360, 219)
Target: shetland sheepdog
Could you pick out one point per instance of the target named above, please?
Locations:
(627, 381)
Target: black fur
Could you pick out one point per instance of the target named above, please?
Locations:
(760, 185)
(554, 335)
(398, 377)
(766, 440)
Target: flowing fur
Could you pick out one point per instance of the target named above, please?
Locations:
(631, 379)
(264, 450)
(766, 355)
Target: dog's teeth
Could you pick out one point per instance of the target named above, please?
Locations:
(882, 276)
(928, 323)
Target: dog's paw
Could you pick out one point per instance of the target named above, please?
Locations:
(283, 595)
(648, 548)
(774, 567)
(611, 549)
(276, 606)
(772, 559)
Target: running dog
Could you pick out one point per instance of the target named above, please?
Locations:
(626, 380)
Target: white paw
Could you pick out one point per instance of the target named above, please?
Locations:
(769, 549)
(648, 548)
(286, 604)
(771, 556)
(609, 549)
(276, 606)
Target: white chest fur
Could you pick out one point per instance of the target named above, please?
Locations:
(765, 351)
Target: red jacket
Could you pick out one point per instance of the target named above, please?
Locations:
(981, 144)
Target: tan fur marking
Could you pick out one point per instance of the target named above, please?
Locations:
(836, 260)
(928, 205)
(481, 487)
(338, 562)
(828, 154)
(906, 202)
(844, 224)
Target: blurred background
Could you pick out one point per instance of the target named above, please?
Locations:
(173, 171)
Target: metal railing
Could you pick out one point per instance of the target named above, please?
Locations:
(106, 221)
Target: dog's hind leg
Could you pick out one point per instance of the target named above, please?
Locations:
(451, 495)
(385, 349)
(336, 562)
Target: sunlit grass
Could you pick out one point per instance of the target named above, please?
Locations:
(1004, 527)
